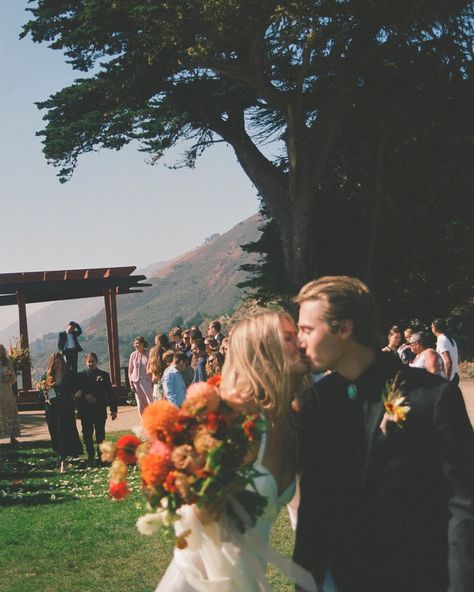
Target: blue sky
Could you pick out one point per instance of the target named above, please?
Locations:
(117, 209)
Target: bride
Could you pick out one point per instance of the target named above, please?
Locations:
(264, 372)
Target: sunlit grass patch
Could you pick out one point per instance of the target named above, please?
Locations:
(64, 533)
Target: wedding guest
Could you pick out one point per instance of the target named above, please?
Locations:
(59, 409)
(173, 380)
(188, 372)
(194, 335)
(214, 364)
(394, 338)
(382, 508)
(212, 345)
(69, 345)
(186, 341)
(447, 349)
(200, 358)
(155, 368)
(214, 330)
(224, 346)
(404, 351)
(162, 342)
(9, 419)
(426, 357)
(94, 395)
(175, 337)
(168, 357)
(140, 380)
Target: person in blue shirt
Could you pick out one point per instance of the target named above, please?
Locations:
(173, 381)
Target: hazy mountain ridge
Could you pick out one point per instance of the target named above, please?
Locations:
(196, 285)
(54, 316)
(200, 281)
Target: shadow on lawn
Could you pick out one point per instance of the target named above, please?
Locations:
(29, 476)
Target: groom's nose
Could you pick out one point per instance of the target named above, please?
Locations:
(299, 341)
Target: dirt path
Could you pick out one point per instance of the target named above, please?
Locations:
(33, 424)
(467, 388)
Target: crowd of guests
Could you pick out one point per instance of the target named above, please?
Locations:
(415, 349)
(178, 359)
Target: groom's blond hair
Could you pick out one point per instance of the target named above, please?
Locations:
(346, 298)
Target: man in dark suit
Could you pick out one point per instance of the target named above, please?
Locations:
(94, 395)
(214, 331)
(69, 345)
(387, 491)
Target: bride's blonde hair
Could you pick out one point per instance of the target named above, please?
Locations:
(258, 367)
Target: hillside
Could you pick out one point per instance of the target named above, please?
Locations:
(53, 317)
(196, 286)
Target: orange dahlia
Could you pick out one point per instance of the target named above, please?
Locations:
(153, 469)
(159, 419)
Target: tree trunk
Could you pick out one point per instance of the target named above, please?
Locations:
(296, 230)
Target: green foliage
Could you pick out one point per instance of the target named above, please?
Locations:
(461, 326)
(265, 280)
(368, 106)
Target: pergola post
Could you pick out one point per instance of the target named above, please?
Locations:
(110, 300)
(24, 341)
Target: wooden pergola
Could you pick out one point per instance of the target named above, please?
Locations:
(68, 284)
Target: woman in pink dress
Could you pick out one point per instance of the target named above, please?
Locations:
(140, 380)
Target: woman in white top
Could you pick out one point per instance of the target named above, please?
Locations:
(426, 357)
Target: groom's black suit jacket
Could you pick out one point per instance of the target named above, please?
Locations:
(394, 512)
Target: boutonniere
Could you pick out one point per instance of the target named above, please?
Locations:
(396, 404)
(100, 378)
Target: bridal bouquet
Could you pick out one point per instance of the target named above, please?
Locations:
(199, 454)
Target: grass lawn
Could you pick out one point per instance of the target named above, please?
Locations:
(62, 533)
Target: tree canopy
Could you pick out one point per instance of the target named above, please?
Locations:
(352, 118)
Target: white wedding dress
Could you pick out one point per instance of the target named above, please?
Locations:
(220, 559)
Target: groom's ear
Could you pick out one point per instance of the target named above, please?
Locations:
(346, 328)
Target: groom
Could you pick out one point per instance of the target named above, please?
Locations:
(385, 506)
